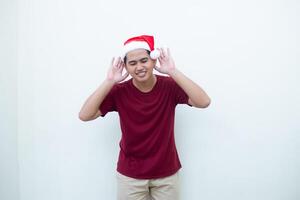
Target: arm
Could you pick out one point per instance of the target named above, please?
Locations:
(197, 96)
(90, 109)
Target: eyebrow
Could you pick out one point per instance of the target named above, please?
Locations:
(130, 61)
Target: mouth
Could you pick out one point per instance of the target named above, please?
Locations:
(141, 74)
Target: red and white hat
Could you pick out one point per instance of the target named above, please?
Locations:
(141, 42)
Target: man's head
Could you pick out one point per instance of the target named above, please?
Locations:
(140, 57)
(139, 64)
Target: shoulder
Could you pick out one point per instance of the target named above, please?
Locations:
(119, 88)
(122, 85)
(166, 81)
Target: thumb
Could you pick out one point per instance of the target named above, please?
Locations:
(157, 69)
(125, 76)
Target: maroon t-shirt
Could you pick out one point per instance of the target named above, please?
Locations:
(147, 146)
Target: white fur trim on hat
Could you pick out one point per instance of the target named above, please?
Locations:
(135, 45)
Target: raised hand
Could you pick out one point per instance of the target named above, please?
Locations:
(116, 69)
(167, 65)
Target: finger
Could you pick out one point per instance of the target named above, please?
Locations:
(112, 61)
(163, 52)
(121, 67)
(159, 60)
(122, 63)
(125, 75)
(160, 53)
(168, 52)
(118, 62)
(157, 68)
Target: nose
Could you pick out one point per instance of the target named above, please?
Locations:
(139, 66)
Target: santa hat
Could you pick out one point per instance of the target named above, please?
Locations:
(141, 42)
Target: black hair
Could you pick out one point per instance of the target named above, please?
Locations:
(125, 58)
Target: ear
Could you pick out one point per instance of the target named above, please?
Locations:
(125, 65)
(154, 61)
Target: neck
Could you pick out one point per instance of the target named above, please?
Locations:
(145, 86)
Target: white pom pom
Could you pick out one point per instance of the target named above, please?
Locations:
(154, 54)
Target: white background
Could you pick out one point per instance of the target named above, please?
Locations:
(245, 54)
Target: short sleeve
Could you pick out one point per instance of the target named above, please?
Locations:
(108, 104)
(180, 96)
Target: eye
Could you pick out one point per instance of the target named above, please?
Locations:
(132, 63)
(144, 60)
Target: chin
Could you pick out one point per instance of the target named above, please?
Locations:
(142, 79)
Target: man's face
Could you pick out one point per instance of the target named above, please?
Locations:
(139, 65)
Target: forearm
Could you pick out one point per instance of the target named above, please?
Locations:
(91, 105)
(196, 94)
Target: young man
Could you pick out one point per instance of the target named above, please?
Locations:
(148, 162)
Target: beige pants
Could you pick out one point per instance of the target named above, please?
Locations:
(166, 188)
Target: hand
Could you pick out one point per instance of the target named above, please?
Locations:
(167, 65)
(115, 71)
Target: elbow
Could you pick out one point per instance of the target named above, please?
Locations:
(83, 117)
(88, 117)
(204, 103)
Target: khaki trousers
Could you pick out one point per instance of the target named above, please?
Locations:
(166, 188)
